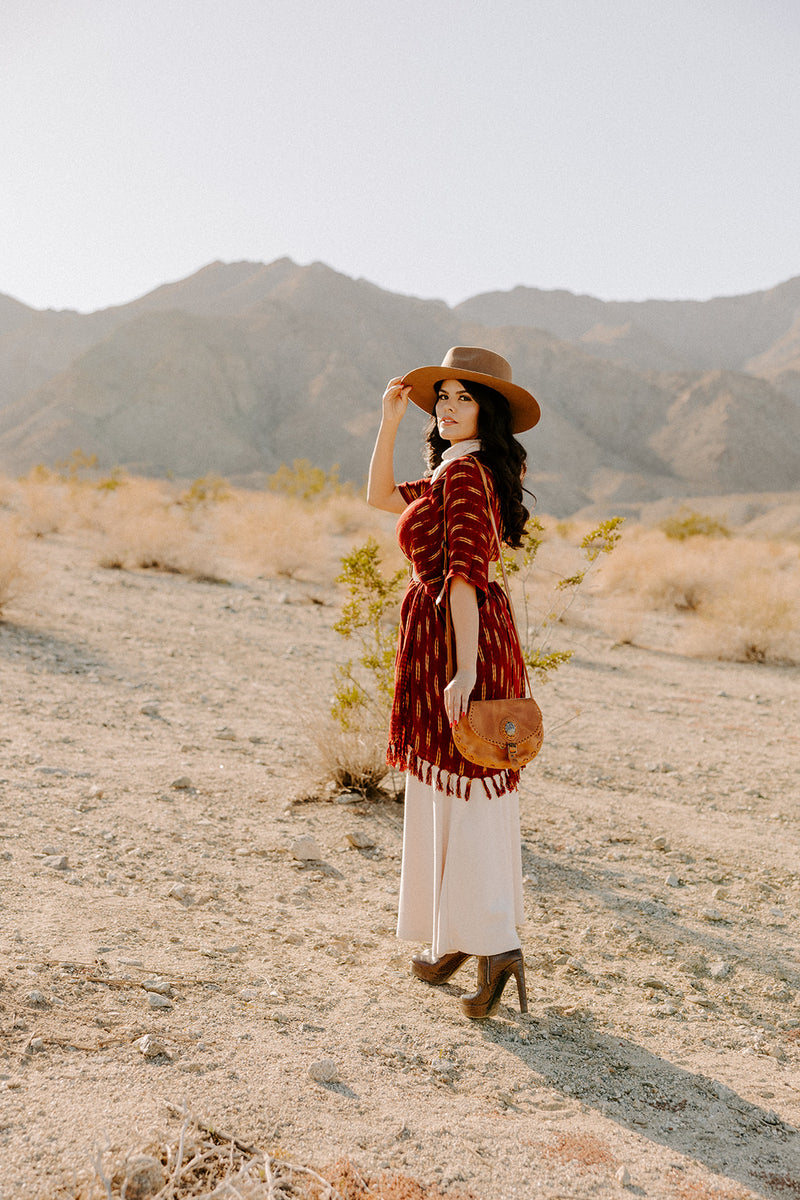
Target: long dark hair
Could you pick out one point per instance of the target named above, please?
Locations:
(500, 451)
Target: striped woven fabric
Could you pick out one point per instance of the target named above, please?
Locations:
(419, 739)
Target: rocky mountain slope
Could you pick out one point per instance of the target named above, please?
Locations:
(243, 366)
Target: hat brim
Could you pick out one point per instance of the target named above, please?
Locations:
(525, 411)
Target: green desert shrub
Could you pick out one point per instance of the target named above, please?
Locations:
(687, 524)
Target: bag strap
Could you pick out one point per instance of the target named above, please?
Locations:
(445, 592)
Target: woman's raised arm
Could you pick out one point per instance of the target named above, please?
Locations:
(382, 491)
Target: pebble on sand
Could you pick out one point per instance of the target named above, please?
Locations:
(323, 1071)
(161, 986)
(305, 849)
(151, 1046)
(360, 841)
(180, 892)
(57, 862)
(159, 1002)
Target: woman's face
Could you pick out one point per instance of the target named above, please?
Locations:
(456, 412)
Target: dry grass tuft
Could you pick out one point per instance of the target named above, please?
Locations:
(143, 529)
(201, 1163)
(268, 535)
(205, 1163)
(755, 621)
(206, 530)
(13, 575)
(351, 758)
(742, 595)
(667, 575)
(44, 506)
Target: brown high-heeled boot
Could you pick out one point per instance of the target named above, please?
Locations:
(493, 973)
(437, 970)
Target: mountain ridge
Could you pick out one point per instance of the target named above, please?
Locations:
(242, 366)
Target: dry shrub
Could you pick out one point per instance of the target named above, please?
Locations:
(167, 541)
(200, 1164)
(266, 534)
(204, 1163)
(348, 516)
(756, 620)
(206, 529)
(743, 593)
(668, 575)
(350, 758)
(144, 528)
(270, 534)
(623, 621)
(44, 506)
(96, 506)
(9, 491)
(13, 576)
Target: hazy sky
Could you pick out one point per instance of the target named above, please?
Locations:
(625, 148)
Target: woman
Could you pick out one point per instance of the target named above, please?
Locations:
(461, 877)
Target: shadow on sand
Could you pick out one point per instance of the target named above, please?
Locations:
(686, 1113)
(45, 652)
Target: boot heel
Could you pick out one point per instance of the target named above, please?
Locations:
(522, 993)
(494, 971)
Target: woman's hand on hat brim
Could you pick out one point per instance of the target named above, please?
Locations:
(395, 400)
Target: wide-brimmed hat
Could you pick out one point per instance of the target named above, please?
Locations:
(471, 363)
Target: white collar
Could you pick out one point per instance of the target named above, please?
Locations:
(470, 446)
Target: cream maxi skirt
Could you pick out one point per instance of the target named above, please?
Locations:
(461, 878)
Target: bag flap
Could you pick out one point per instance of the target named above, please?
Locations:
(504, 721)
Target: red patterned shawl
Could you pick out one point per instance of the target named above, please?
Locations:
(419, 739)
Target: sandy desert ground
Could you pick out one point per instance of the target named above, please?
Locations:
(157, 768)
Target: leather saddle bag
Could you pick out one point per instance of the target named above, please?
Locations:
(501, 734)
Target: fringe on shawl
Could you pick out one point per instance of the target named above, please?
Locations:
(445, 781)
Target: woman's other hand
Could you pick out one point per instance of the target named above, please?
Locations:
(464, 612)
(395, 400)
(457, 694)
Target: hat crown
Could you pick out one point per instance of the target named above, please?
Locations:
(476, 365)
(478, 360)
